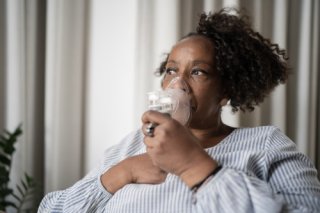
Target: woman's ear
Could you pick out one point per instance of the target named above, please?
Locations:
(223, 102)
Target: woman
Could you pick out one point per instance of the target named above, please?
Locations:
(204, 166)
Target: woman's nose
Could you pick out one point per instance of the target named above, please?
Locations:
(178, 83)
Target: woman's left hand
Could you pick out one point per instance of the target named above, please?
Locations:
(175, 150)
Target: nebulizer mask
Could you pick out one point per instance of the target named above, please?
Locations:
(173, 100)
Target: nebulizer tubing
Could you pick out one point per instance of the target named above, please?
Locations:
(173, 100)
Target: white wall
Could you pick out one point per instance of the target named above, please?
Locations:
(110, 77)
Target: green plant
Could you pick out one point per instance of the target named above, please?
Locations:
(27, 187)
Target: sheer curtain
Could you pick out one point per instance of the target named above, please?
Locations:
(65, 89)
(22, 39)
(75, 74)
(42, 87)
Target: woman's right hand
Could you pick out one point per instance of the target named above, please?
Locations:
(135, 169)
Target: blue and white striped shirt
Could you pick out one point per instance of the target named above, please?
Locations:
(262, 172)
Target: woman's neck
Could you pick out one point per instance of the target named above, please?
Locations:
(212, 136)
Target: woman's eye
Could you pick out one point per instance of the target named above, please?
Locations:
(198, 72)
(171, 71)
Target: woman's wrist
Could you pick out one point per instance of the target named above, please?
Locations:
(206, 179)
(199, 172)
(115, 178)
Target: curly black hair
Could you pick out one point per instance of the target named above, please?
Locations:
(249, 65)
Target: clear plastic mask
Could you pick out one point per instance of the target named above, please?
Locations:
(174, 100)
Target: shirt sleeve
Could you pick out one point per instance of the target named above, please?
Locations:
(88, 194)
(290, 184)
(291, 175)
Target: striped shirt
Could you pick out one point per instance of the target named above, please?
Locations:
(262, 172)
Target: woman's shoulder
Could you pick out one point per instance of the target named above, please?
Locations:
(268, 135)
(256, 137)
(261, 130)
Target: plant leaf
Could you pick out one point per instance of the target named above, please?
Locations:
(16, 197)
(8, 203)
(18, 130)
(28, 178)
(4, 178)
(20, 190)
(5, 160)
(24, 185)
(6, 133)
(2, 138)
(5, 192)
(1, 144)
(3, 169)
(4, 172)
(9, 150)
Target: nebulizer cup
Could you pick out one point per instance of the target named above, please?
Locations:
(173, 100)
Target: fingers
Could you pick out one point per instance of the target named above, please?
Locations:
(155, 117)
(151, 120)
(149, 142)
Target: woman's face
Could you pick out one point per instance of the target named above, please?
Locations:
(192, 60)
